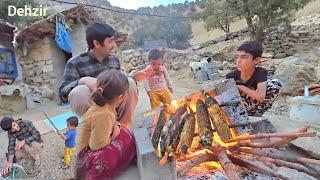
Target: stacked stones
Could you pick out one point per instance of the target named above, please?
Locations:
(37, 67)
(278, 43)
(134, 60)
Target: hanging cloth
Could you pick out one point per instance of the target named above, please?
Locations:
(63, 37)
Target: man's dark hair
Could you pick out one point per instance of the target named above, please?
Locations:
(98, 32)
(73, 121)
(253, 48)
(6, 123)
(155, 54)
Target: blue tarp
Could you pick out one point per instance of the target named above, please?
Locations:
(63, 37)
(60, 121)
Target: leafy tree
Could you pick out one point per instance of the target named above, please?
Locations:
(265, 13)
(174, 31)
(218, 14)
(19, 21)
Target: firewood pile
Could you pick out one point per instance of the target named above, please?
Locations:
(196, 130)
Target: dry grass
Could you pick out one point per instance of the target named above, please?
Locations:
(311, 8)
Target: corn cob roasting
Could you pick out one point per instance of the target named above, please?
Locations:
(175, 135)
(218, 118)
(170, 130)
(204, 124)
(187, 134)
(163, 117)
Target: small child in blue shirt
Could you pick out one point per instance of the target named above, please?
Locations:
(70, 140)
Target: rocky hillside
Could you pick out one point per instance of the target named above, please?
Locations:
(127, 22)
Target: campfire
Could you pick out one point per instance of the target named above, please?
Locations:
(196, 132)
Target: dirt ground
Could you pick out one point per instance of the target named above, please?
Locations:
(53, 144)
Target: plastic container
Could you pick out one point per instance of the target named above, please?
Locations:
(305, 109)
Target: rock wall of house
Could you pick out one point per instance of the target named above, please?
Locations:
(79, 43)
(38, 68)
(58, 60)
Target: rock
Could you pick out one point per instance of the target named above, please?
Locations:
(267, 55)
(128, 68)
(137, 54)
(290, 52)
(218, 56)
(222, 38)
(47, 68)
(318, 72)
(177, 65)
(126, 59)
(280, 55)
(303, 33)
(226, 66)
(206, 54)
(295, 34)
(196, 47)
(127, 52)
(294, 73)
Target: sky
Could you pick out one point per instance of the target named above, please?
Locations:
(135, 4)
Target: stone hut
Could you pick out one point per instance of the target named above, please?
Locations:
(41, 60)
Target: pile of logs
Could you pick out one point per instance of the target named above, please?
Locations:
(175, 134)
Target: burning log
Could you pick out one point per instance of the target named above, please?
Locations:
(204, 124)
(173, 137)
(196, 161)
(171, 132)
(218, 118)
(218, 154)
(226, 164)
(163, 117)
(187, 134)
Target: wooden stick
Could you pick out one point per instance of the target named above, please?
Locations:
(268, 135)
(226, 164)
(311, 167)
(290, 165)
(255, 167)
(196, 161)
(268, 145)
(276, 156)
(314, 91)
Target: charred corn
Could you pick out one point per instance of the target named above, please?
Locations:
(218, 117)
(187, 134)
(163, 117)
(204, 124)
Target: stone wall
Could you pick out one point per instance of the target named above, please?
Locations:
(173, 59)
(278, 42)
(37, 66)
(79, 42)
